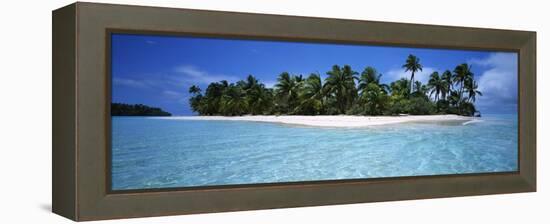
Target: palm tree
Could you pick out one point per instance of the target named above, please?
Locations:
(299, 78)
(420, 90)
(213, 96)
(338, 93)
(312, 96)
(287, 90)
(471, 87)
(436, 85)
(454, 98)
(194, 90)
(258, 98)
(374, 99)
(462, 72)
(234, 101)
(341, 84)
(224, 84)
(400, 88)
(249, 83)
(196, 100)
(412, 64)
(446, 77)
(370, 75)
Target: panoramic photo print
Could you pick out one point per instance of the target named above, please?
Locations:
(195, 111)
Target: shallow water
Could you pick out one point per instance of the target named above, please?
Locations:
(161, 153)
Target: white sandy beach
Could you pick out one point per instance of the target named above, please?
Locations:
(332, 121)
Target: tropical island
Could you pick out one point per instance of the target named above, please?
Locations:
(344, 91)
(122, 109)
(251, 111)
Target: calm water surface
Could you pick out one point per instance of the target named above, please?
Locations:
(160, 153)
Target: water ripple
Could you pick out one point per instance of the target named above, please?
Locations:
(157, 153)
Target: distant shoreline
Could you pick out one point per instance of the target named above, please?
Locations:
(342, 121)
(123, 109)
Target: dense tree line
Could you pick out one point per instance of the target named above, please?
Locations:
(121, 109)
(343, 91)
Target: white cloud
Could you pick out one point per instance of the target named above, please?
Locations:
(398, 73)
(500, 60)
(130, 83)
(172, 86)
(192, 74)
(499, 82)
(147, 81)
(269, 84)
(171, 93)
(180, 97)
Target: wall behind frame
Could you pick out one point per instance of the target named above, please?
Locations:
(25, 118)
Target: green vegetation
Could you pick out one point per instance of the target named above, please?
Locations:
(121, 109)
(344, 91)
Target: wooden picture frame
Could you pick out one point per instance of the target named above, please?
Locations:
(81, 99)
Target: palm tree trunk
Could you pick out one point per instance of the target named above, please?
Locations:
(342, 105)
(461, 90)
(411, 84)
(322, 105)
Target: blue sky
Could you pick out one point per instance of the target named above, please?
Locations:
(158, 70)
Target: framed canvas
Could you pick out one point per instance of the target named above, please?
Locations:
(202, 111)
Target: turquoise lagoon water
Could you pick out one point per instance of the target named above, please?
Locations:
(163, 153)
